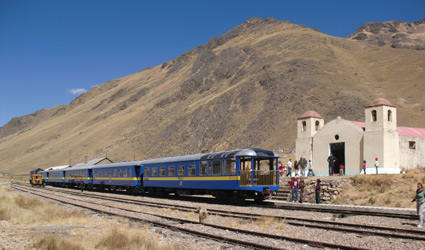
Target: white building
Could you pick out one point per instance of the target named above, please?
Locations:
(351, 142)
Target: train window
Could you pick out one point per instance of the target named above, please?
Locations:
(155, 171)
(264, 165)
(171, 171)
(115, 172)
(191, 170)
(180, 170)
(119, 173)
(203, 168)
(110, 173)
(125, 172)
(230, 166)
(161, 171)
(246, 163)
(130, 172)
(147, 171)
(216, 168)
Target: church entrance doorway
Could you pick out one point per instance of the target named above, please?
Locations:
(338, 150)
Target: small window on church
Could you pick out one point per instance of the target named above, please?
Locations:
(389, 116)
(412, 145)
(374, 118)
(304, 124)
(317, 125)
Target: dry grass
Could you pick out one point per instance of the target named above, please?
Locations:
(53, 242)
(25, 213)
(130, 239)
(382, 190)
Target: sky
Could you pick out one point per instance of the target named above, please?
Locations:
(52, 51)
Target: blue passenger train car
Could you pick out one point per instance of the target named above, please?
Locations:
(238, 174)
(122, 175)
(78, 176)
(55, 177)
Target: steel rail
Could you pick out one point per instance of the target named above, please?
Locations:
(321, 224)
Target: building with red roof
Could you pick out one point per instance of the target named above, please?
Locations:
(352, 142)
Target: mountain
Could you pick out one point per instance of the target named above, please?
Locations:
(245, 88)
(395, 34)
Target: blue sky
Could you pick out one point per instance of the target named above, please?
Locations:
(53, 50)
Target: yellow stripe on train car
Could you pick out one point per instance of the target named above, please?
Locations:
(207, 178)
(116, 178)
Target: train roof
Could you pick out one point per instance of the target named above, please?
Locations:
(249, 152)
(119, 164)
(56, 168)
(92, 162)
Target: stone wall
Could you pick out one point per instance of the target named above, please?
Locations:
(330, 189)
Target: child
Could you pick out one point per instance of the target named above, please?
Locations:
(341, 169)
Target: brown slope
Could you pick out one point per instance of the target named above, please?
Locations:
(243, 89)
(394, 34)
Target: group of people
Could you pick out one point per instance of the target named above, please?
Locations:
(297, 189)
(300, 168)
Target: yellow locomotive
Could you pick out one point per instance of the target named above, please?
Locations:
(36, 179)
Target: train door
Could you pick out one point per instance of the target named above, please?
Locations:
(246, 171)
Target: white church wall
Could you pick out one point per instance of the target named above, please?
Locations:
(338, 131)
(412, 152)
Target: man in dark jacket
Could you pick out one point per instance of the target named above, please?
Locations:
(331, 162)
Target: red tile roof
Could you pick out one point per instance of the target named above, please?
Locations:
(380, 102)
(402, 131)
(310, 113)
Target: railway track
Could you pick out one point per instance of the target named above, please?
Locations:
(340, 210)
(235, 236)
(388, 232)
(413, 234)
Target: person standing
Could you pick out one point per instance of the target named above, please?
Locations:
(317, 191)
(310, 168)
(331, 162)
(281, 169)
(294, 188)
(341, 169)
(376, 164)
(289, 167)
(301, 188)
(296, 168)
(304, 166)
(420, 203)
(364, 167)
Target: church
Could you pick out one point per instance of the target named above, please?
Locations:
(352, 142)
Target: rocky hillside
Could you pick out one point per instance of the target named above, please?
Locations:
(395, 34)
(245, 88)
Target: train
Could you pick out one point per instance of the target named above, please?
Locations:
(36, 177)
(239, 174)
